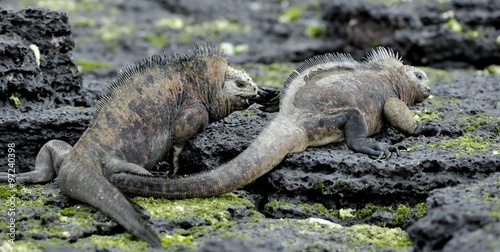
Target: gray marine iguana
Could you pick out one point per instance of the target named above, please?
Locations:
(328, 98)
(152, 107)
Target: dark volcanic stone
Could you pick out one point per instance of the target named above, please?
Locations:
(55, 80)
(29, 131)
(461, 218)
(420, 30)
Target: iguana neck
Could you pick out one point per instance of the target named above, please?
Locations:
(399, 87)
(209, 85)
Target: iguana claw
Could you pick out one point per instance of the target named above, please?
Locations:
(432, 130)
(387, 153)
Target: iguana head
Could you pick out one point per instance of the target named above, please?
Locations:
(418, 79)
(413, 85)
(239, 88)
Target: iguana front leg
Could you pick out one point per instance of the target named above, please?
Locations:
(188, 123)
(47, 164)
(400, 117)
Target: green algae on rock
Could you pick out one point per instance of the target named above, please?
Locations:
(467, 144)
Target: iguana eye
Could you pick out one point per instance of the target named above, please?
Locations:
(240, 84)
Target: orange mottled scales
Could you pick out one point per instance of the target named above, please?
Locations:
(151, 109)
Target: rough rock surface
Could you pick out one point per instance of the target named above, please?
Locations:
(464, 32)
(55, 79)
(461, 218)
(455, 33)
(41, 88)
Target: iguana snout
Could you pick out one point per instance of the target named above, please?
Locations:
(240, 88)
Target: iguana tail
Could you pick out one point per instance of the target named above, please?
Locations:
(279, 138)
(94, 189)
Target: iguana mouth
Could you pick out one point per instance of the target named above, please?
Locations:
(427, 90)
(265, 95)
(248, 99)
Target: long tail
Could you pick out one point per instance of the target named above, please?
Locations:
(279, 138)
(94, 189)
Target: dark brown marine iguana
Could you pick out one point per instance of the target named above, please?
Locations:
(152, 107)
(328, 98)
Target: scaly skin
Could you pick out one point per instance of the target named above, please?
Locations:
(329, 98)
(152, 108)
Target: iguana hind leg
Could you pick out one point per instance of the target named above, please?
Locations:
(47, 164)
(356, 137)
(351, 123)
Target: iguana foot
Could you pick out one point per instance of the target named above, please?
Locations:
(47, 164)
(392, 149)
(431, 130)
(374, 148)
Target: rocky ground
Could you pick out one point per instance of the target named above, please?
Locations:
(441, 194)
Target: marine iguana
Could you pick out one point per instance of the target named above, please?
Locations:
(328, 98)
(154, 106)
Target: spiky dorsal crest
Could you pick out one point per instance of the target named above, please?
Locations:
(382, 53)
(125, 74)
(341, 61)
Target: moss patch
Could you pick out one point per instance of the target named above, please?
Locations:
(89, 65)
(369, 209)
(273, 75)
(14, 100)
(400, 213)
(157, 39)
(444, 76)
(493, 69)
(211, 209)
(465, 145)
(426, 115)
(68, 6)
(316, 30)
(382, 237)
(355, 237)
(191, 30)
(312, 234)
(291, 14)
(442, 101)
(122, 241)
(456, 27)
(111, 34)
(471, 123)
